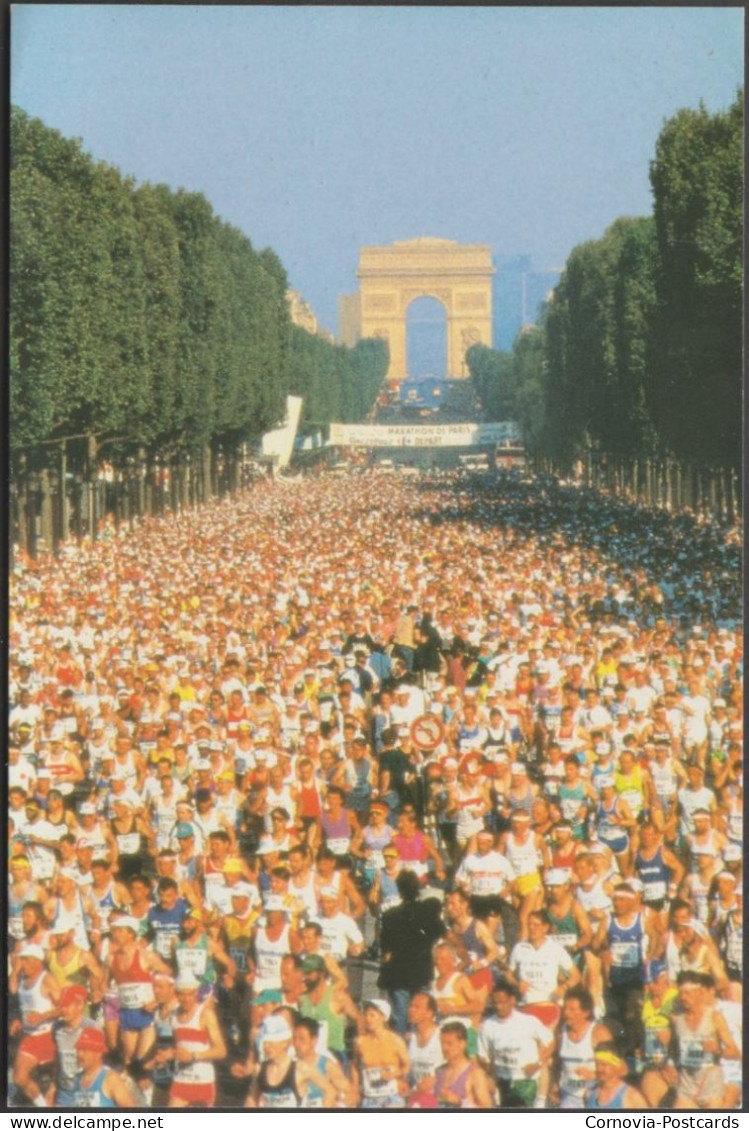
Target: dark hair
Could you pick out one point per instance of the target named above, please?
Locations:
(308, 1023)
(166, 883)
(456, 1027)
(407, 884)
(583, 996)
(505, 987)
(140, 878)
(431, 1004)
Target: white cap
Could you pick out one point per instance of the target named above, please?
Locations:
(328, 893)
(275, 1028)
(380, 1005)
(32, 950)
(275, 903)
(517, 768)
(128, 921)
(187, 981)
(557, 876)
(241, 890)
(606, 781)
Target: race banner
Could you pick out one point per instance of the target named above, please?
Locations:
(423, 435)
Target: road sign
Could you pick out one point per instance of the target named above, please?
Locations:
(427, 732)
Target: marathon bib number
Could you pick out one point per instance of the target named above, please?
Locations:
(508, 1063)
(88, 1099)
(654, 890)
(566, 939)
(625, 955)
(376, 859)
(339, 845)
(194, 1074)
(128, 843)
(694, 1057)
(484, 883)
(571, 808)
(136, 995)
(655, 1052)
(192, 961)
(570, 1082)
(279, 1099)
(68, 1063)
(239, 958)
(269, 966)
(633, 797)
(376, 1083)
(15, 926)
(164, 943)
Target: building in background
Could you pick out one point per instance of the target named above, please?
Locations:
(519, 293)
(302, 315)
(349, 318)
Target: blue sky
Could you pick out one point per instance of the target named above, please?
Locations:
(318, 130)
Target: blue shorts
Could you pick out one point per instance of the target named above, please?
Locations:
(617, 844)
(135, 1020)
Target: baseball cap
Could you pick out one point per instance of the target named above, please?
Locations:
(92, 1039)
(184, 830)
(71, 994)
(313, 963)
(556, 876)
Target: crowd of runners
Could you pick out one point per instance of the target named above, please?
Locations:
(365, 793)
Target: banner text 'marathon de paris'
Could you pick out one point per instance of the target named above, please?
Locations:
(423, 435)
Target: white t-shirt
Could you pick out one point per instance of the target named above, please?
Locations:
(337, 934)
(486, 875)
(512, 1043)
(540, 967)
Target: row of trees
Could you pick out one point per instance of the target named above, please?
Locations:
(145, 331)
(639, 349)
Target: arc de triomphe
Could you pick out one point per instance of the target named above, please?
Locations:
(458, 275)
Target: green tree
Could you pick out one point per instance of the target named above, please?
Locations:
(697, 181)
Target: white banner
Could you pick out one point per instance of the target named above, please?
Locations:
(280, 442)
(423, 435)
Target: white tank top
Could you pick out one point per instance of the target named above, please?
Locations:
(425, 1059)
(575, 1055)
(193, 1037)
(306, 893)
(269, 954)
(447, 991)
(523, 858)
(32, 1000)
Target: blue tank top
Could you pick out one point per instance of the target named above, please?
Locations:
(626, 943)
(615, 1103)
(608, 830)
(314, 1095)
(654, 874)
(93, 1095)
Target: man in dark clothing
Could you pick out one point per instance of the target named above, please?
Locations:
(427, 657)
(408, 933)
